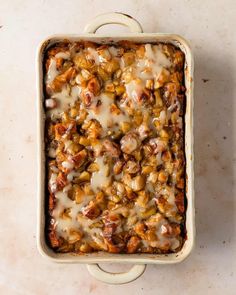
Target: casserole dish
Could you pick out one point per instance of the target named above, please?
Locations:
(98, 257)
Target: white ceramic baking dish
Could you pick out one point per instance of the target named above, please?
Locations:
(140, 260)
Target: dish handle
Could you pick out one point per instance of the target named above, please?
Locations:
(113, 18)
(116, 278)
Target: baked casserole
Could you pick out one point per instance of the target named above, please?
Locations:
(115, 147)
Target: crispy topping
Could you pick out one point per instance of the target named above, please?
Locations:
(111, 148)
(115, 147)
(129, 143)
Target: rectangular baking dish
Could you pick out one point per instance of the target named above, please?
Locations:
(139, 37)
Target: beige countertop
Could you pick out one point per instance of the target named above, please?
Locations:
(209, 25)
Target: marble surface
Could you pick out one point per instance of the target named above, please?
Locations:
(209, 25)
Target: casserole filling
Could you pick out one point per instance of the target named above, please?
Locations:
(115, 147)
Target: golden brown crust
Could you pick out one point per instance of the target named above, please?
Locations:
(115, 146)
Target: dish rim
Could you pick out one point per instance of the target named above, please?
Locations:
(103, 257)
